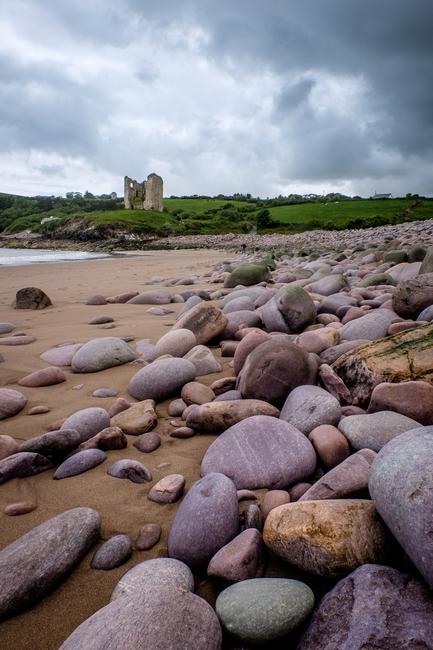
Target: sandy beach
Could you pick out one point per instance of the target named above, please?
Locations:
(123, 505)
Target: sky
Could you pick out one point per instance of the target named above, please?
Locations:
(217, 96)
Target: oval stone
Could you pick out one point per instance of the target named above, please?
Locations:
(43, 377)
(160, 379)
(88, 422)
(130, 469)
(374, 430)
(162, 571)
(98, 354)
(307, 407)
(114, 552)
(11, 402)
(79, 463)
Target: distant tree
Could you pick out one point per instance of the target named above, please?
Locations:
(264, 219)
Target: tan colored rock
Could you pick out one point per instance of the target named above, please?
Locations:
(107, 439)
(273, 499)
(196, 393)
(204, 320)
(139, 418)
(168, 490)
(216, 417)
(403, 357)
(326, 538)
(330, 444)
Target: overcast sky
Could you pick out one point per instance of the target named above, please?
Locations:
(217, 96)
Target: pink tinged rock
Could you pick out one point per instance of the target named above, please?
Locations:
(43, 377)
(246, 495)
(330, 445)
(38, 410)
(334, 384)
(104, 392)
(79, 463)
(411, 398)
(101, 353)
(114, 552)
(196, 393)
(349, 479)
(19, 508)
(122, 297)
(8, 446)
(176, 342)
(351, 409)
(206, 520)
(148, 536)
(395, 328)
(22, 464)
(146, 350)
(157, 297)
(176, 407)
(96, 300)
(228, 348)
(246, 345)
(17, 340)
(182, 432)
(307, 407)
(161, 379)
(168, 490)
(137, 419)
(119, 405)
(222, 385)
(261, 451)
(241, 559)
(130, 469)
(107, 439)
(147, 442)
(218, 416)
(61, 355)
(204, 361)
(88, 422)
(273, 499)
(298, 490)
(318, 341)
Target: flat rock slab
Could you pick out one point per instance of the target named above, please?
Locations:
(32, 565)
(261, 451)
(373, 607)
(402, 490)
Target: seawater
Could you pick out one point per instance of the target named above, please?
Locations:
(19, 256)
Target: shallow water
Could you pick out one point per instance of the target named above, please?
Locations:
(20, 256)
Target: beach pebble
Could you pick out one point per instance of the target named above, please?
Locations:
(334, 384)
(101, 353)
(229, 396)
(252, 517)
(247, 274)
(104, 392)
(119, 405)
(176, 408)
(138, 418)
(330, 445)
(114, 552)
(61, 355)
(88, 422)
(239, 319)
(222, 385)
(246, 345)
(161, 379)
(372, 326)
(297, 490)
(100, 320)
(121, 298)
(326, 538)
(19, 508)
(17, 340)
(40, 409)
(218, 416)
(156, 297)
(146, 350)
(148, 536)
(80, 462)
(176, 342)
(157, 617)
(182, 432)
(107, 439)
(43, 377)
(159, 572)
(414, 399)
(204, 361)
(147, 442)
(307, 407)
(413, 296)
(8, 446)
(402, 490)
(204, 320)
(296, 307)
(130, 469)
(273, 369)
(195, 393)
(53, 444)
(374, 430)
(374, 606)
(22, 464)
(273, 499)
(262, 610)
(261, 451)
(6, 328)
(31, 298)
(349, 479)
(246, 495)
(168, 490)
(242, 558)
(205, 521)
(55, 547)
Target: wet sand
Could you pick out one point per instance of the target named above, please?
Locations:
(123, 505)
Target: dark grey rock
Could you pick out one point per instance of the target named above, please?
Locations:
(32, 565)
(79, 463)
(53, 444)
(22, 464)
(31, 298)
(114, 552)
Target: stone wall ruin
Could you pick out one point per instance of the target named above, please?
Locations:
(144, 196)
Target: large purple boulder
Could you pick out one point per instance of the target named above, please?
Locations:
(206, 520)
(402, 490)
(261, 451)
(373, 607)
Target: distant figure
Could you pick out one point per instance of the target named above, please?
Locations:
(256, 249)
(244, 248)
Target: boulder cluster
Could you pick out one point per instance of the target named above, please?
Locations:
(312, 522)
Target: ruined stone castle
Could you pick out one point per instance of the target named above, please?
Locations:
(144, 196)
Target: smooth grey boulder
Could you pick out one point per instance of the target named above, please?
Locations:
(35, 563)
(373, 607)
(402, 490)
(205, 521)
(22, 464)
(261, 610)
(54, 443)
(161, 571)
(374, 430)
(372, 326)
(272, 318)
(158, 618)
(79, 463)
(347, 480)
(296, 306)
(114, 552)
(101, 353)
(413, 296)
(261, 451)
(130, 469)
(88, 422)
(251, 292)
(160, 379)
(307, 407)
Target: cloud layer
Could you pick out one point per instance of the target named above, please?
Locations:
(244, 96)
